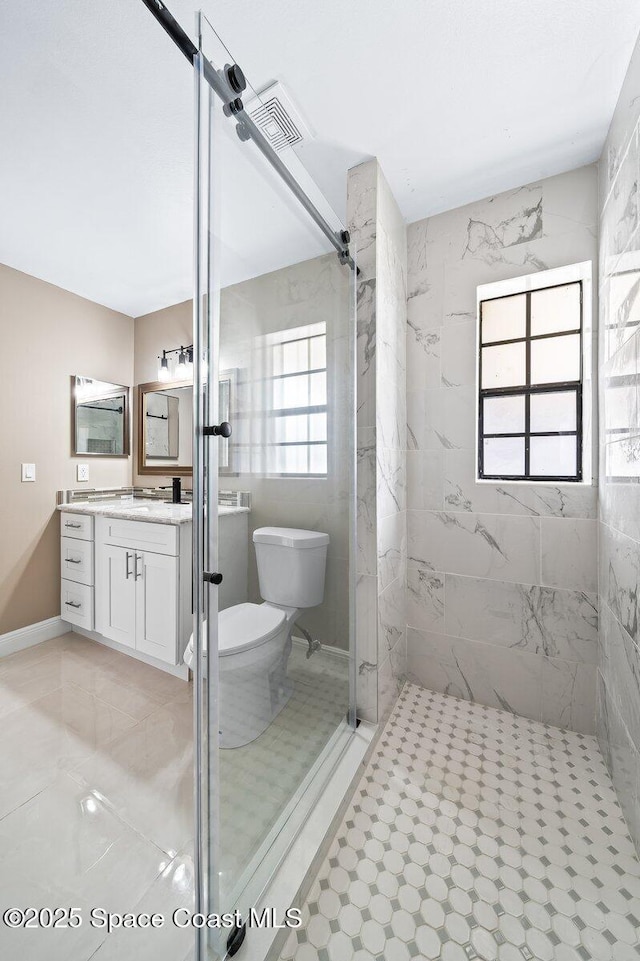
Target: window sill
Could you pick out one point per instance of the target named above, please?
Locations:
(536, 483)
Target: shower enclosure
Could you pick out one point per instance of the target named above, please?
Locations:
(274, 356)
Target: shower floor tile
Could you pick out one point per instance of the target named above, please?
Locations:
(259, 779)
(475, 834)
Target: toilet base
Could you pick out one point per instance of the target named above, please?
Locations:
(237, 729)
(283, 698)
(253, 686)
(254, 689)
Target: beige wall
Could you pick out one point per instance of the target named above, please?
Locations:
(47, 335)
(155, 332)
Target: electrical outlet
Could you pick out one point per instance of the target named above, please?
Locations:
(82, 472)
(28, 473)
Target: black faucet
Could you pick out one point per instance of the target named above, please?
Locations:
(177, 490)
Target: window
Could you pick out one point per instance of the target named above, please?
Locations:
(297, 402)
(530, 385)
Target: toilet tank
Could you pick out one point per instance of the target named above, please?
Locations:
(291, 565)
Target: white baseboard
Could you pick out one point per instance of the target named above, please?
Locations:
(328, 649)
(32, 634)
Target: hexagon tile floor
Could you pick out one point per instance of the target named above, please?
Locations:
(476, 834)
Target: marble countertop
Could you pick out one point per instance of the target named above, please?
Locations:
(152, 511)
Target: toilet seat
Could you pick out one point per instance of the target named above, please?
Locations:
(246, 626)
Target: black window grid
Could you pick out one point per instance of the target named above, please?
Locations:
(527, 390)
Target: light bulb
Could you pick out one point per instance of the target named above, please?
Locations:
(182, 371)
(163, 369)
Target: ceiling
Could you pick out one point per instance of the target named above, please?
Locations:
(457, 100)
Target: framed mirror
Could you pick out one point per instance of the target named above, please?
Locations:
(99, 418)
(165, 426)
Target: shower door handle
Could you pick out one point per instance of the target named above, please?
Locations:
(218, 430)
(212, 577)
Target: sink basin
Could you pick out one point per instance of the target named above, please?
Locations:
(159, 508)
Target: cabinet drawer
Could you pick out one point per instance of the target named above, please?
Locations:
(76, 525)
(140, 535)
(76, 560)
(76, 604)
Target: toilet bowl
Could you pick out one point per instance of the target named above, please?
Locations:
(254, 640)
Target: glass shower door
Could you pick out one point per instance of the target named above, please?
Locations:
(205, 516)
(274, 355)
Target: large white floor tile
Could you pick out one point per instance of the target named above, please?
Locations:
(66, 848)
(172, 890)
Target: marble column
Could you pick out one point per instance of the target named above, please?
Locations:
(379, 239)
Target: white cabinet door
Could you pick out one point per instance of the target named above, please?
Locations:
(116, 594)
(157, 605)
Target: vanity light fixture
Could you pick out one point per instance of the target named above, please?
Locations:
(182, 363)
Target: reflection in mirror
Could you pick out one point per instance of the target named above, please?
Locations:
(100, 417)
(165, 426)
(162, 426)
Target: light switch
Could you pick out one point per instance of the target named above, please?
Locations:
(28, 473)
(82, 472)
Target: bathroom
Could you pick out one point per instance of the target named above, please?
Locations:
(320, 550)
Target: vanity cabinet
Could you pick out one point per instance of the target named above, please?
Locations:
(116, 595)
(143, 586)
(128, 582)
(137, 600)
(157, 606)
(77, 569)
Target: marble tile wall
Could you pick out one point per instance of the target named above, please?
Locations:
(618, 708)
(502, 578)
(379, 235)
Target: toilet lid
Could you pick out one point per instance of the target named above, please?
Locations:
(247, 625)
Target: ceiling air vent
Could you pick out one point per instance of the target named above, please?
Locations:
(279, 121)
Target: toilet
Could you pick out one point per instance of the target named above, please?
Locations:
(254, 640)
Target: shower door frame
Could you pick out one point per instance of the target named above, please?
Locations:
(211, 86)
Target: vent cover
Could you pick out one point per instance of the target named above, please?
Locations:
(279, 121)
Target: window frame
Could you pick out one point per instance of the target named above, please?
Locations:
(527, 289)
(279, 339)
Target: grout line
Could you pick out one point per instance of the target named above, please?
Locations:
(418, 566)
